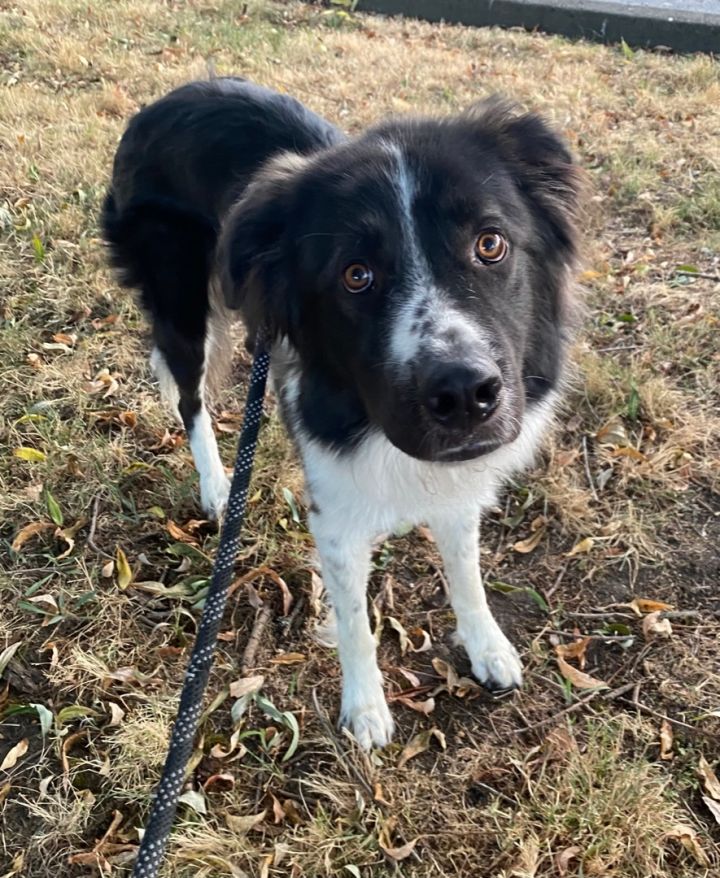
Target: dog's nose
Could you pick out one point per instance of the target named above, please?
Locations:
(459, 396)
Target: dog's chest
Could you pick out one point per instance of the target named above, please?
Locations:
(376, 488)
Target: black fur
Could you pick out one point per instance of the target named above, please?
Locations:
(202, 182)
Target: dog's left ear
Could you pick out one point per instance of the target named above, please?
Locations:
(539, 159)
(250, 253)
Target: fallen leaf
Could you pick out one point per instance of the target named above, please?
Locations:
(272, 575)
(30, 530)
(219, 783)
(524, 547)
(419, 640)
(581, 548)
(688, 838)
(419, 744)
(245, 824)
(709, 779)
(33, 455)
(7, 654)
(108, 569)
(562, 860)
(195, 800)
(401, 853)
(401, 632)
(379, 795)
(124, 571)
(613, 433)
(579, 679)
(628, 451)
(116, 713)
(644, 605)
(576, 650)
(65, 338)
(5, 792)
(177, 533)
(35, 360)
(425, 707)
(713, 807)
(666, 740)
(14, 754)
(654, 627)
(246, 686)
(288, 658)
(456, 685)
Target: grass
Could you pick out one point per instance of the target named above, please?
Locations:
(631, 479)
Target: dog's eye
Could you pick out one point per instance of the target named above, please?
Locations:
(357, 277)
(491, 247)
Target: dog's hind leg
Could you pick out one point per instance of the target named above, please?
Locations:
(495, 662)
(175, 293)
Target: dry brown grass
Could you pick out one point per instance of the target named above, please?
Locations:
(634, 466)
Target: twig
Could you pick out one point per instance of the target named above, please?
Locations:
(690, 614)
(554, 587)
(604, 615)
(289, 622)
(587, 468)
(643, 708)
(261, 620)
(703, 274)
(603, 638)
(484, 786)
(578, 705)
(93, 525)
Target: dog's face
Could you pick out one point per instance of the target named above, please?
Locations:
(422, 269)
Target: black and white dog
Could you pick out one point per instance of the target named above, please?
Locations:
(417, 284)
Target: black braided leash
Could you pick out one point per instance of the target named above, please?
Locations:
(164, 807)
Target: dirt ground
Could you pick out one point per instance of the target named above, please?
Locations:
(602, 564)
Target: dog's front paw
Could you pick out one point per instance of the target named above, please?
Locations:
(214, 493)
(495, 662)
(368, 717)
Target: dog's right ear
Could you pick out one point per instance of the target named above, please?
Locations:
(250, 252)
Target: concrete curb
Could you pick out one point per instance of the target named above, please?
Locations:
(608, 21)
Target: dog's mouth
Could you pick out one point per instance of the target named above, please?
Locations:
(468, 451)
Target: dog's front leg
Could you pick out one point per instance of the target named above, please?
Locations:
(494, 659)
(345, 562)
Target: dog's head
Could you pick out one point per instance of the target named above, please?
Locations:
(424, 268)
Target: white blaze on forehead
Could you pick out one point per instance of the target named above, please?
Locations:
(424, 317)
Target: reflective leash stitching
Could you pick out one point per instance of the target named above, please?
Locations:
(162, 813)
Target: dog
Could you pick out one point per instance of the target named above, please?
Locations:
(415, 284)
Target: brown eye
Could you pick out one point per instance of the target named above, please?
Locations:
(357, 277)
(491, 247)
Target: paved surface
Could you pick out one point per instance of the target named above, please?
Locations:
(682, 25)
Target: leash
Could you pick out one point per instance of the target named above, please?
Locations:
(162, 813)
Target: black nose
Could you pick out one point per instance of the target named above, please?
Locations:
(459, 396)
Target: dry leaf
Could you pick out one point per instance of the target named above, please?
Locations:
(709, 779)
(5, 792)
(531, 543)
(576, 649)
(30, 530)
(713, 807)
(688, 838)
(116, 713)
(177, 533)
(245, 824)
(271, 574)
(288, 658)
(246, 686)
(644, 605)
(13, 754)
(419, 744)
(124, 571)
(64, 338)
(401, 853)
(30, 454)
(379, 795)
(655, 627)
(579, 679)
(219, 783)
(108, 569)
(666, 740)
(425, 707)
(562, 860)
(583, 547)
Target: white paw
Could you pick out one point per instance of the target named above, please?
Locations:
(214, 492)
(495, 662)
(368, 717)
